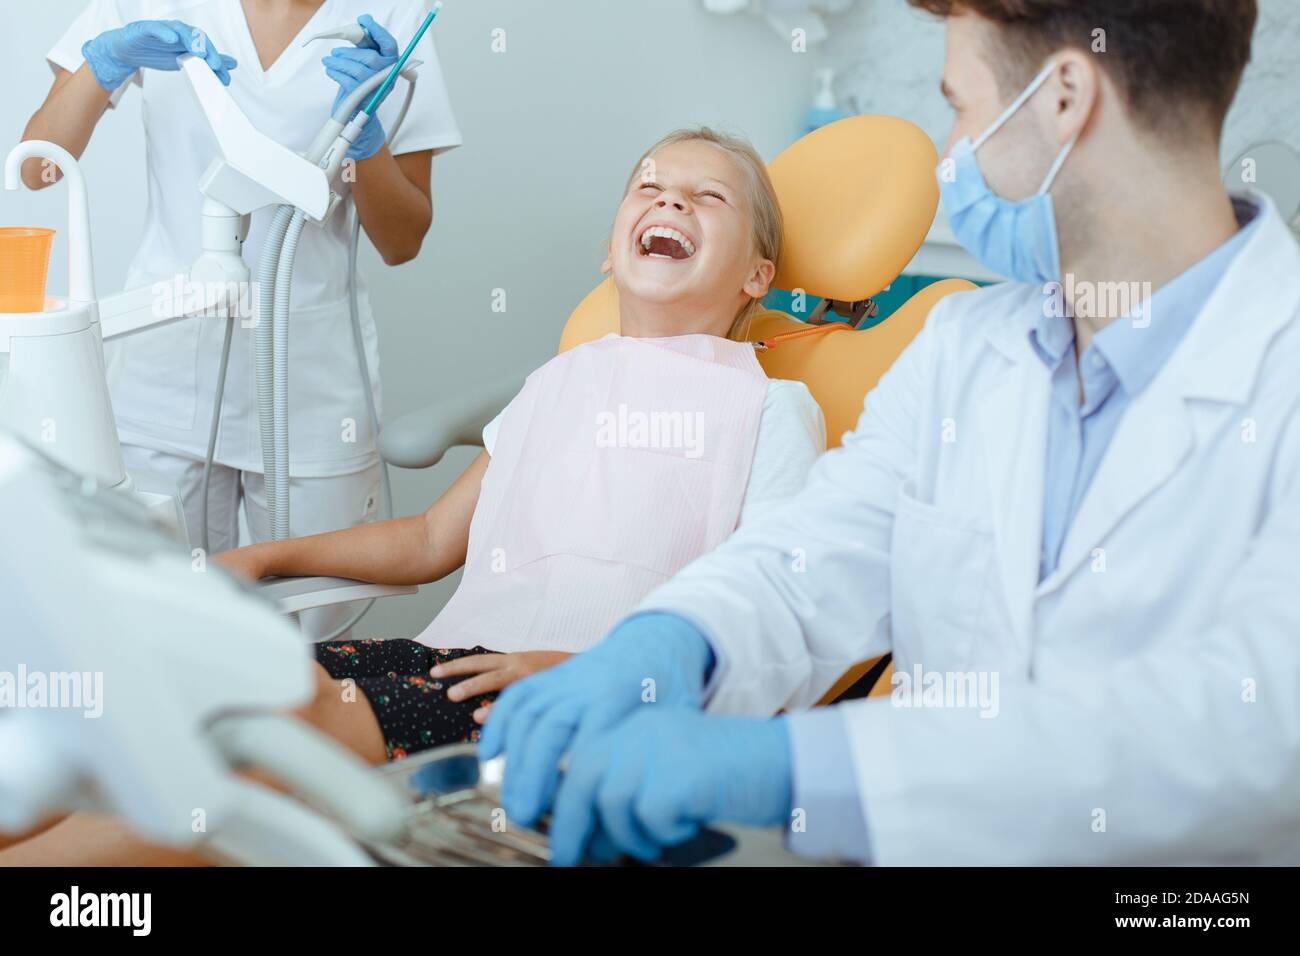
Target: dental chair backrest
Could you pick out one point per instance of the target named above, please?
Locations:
(858, 197)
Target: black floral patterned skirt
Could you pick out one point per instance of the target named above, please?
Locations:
(412, 708)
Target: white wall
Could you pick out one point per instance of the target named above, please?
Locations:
(889, 56)
(552, 128)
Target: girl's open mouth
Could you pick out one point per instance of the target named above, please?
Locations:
(664, 242)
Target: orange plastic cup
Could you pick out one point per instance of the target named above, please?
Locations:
(24, 267)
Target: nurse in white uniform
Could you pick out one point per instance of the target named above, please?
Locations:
(163, 379)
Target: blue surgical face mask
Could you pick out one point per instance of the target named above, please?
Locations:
(1014, 239)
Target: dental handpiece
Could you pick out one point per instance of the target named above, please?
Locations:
(333, 158)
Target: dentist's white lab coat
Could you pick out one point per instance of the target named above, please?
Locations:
(1149, 705)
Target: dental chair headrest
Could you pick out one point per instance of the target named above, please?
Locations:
(858, 197)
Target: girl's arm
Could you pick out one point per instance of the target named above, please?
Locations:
(68, 117)
(415, 550)
(394, 201)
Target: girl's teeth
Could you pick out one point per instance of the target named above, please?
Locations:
(666, 233)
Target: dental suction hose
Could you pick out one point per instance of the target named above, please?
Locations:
(274, 274)
(263, 336)
(278, 490)
(264, 362)
(277, 494)
(358, 339)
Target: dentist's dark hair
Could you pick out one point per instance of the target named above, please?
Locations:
(1174, 61)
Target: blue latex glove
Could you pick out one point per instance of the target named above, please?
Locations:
(650, 661)
(349, 67)
(114, 56)
(659, 776)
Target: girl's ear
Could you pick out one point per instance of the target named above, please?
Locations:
(607, 266)
(760, 280)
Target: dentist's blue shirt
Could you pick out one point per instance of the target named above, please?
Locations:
(1122, 360)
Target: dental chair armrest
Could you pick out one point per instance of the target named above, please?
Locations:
(421, 438)
(300, 594)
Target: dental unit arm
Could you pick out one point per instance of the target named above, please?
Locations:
(252, 173)
(55, 375)
(159, 707)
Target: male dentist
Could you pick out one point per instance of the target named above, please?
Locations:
(1071, 510)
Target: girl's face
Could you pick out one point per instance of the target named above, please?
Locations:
(684, 237)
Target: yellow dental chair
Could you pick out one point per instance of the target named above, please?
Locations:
(858, 198)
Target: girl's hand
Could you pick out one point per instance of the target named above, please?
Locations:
(242, 562)
(492, 672)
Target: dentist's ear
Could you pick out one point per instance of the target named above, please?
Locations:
(1075, 89)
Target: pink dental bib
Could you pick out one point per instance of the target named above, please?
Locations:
(619, 462)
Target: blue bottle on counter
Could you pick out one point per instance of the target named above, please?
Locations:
(824, 109)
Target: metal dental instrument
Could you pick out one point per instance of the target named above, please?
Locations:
(455, 818)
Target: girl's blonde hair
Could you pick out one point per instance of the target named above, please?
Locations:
(769, 227)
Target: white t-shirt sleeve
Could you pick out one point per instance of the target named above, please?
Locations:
(98, 17)
(430, 124)
(490, 431)
(791, 436)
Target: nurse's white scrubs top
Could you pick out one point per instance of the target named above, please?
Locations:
(163, 380)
